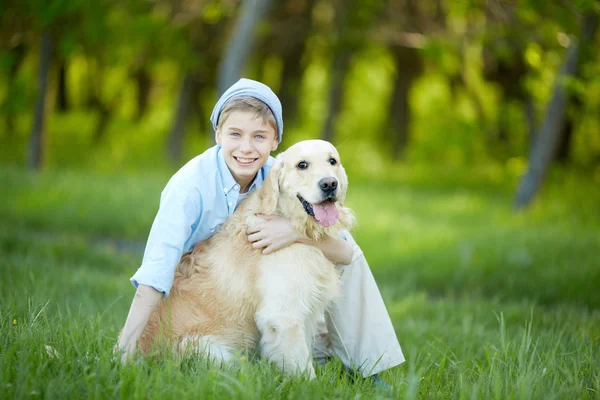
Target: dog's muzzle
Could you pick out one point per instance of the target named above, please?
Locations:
(328, 186)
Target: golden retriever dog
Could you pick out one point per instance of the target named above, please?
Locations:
(229, 297)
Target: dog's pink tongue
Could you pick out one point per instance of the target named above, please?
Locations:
(326, 213)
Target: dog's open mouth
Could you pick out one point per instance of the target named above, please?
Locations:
(325, 212)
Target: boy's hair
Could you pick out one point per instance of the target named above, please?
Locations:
(252, 104)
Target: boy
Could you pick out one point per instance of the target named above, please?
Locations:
(248, 125)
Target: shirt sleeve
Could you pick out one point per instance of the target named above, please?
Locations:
(179, 209)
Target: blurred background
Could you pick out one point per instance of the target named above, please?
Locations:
(129, 85)
(470, 131)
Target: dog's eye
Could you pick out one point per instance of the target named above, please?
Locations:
(302, 165)
(332, 161)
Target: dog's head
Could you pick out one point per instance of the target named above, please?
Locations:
(308, 184)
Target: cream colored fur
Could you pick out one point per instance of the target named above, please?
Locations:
(228, 296)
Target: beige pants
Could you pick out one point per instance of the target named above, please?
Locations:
(358, 328)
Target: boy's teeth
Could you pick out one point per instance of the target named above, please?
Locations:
(245, 160)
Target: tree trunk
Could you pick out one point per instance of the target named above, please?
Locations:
(143, 82)
(96, 103)
(563, 151)
(240, 45)
(195, 109)
(531, 120)
(586, 53)
(337, 76)
(550, 134)
(340, 64)
(36, 144)
(292, 70)
(176, 137)
(62, 97)
(291, 79)
(19, 51)
(408, 68)
(564, 145)
(400, 116)
(510, 76)
(104, 115)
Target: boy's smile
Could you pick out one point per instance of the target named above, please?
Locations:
(247, 142)
(244, 161)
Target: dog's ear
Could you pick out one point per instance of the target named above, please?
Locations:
(343, 178)
(346, 219)
(270, 192)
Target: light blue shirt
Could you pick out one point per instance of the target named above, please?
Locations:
(196, 201)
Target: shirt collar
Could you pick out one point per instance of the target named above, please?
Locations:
(229, 182)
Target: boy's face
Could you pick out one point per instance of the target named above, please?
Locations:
(247, 142)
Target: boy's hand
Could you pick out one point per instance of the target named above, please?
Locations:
(144, 302)
(273, 234)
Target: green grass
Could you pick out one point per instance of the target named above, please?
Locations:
(487, 303)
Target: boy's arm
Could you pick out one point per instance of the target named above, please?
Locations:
(338, 251)
(276, 233)
(172, 226)
(144, 302)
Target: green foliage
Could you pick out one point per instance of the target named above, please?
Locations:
(464, 110)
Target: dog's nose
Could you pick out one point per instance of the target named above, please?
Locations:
(328, 185)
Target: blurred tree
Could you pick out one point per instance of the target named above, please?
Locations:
(351, 23)
(291, 27)
(143, 81)
(298, 30)
(549, 136)
(240, 44)
(409, 24)
(504, 65)
(123, 60)
(44, 20)
(408, 68)
(15, 42)
(205, 28)
(10, 105)
(461, 80)
(36, 155)
(176, 136)
(575, 111)
(563, 150)
(517, 35)
(62, 100)
(342, 52)
(96, 102)
(140, 66)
